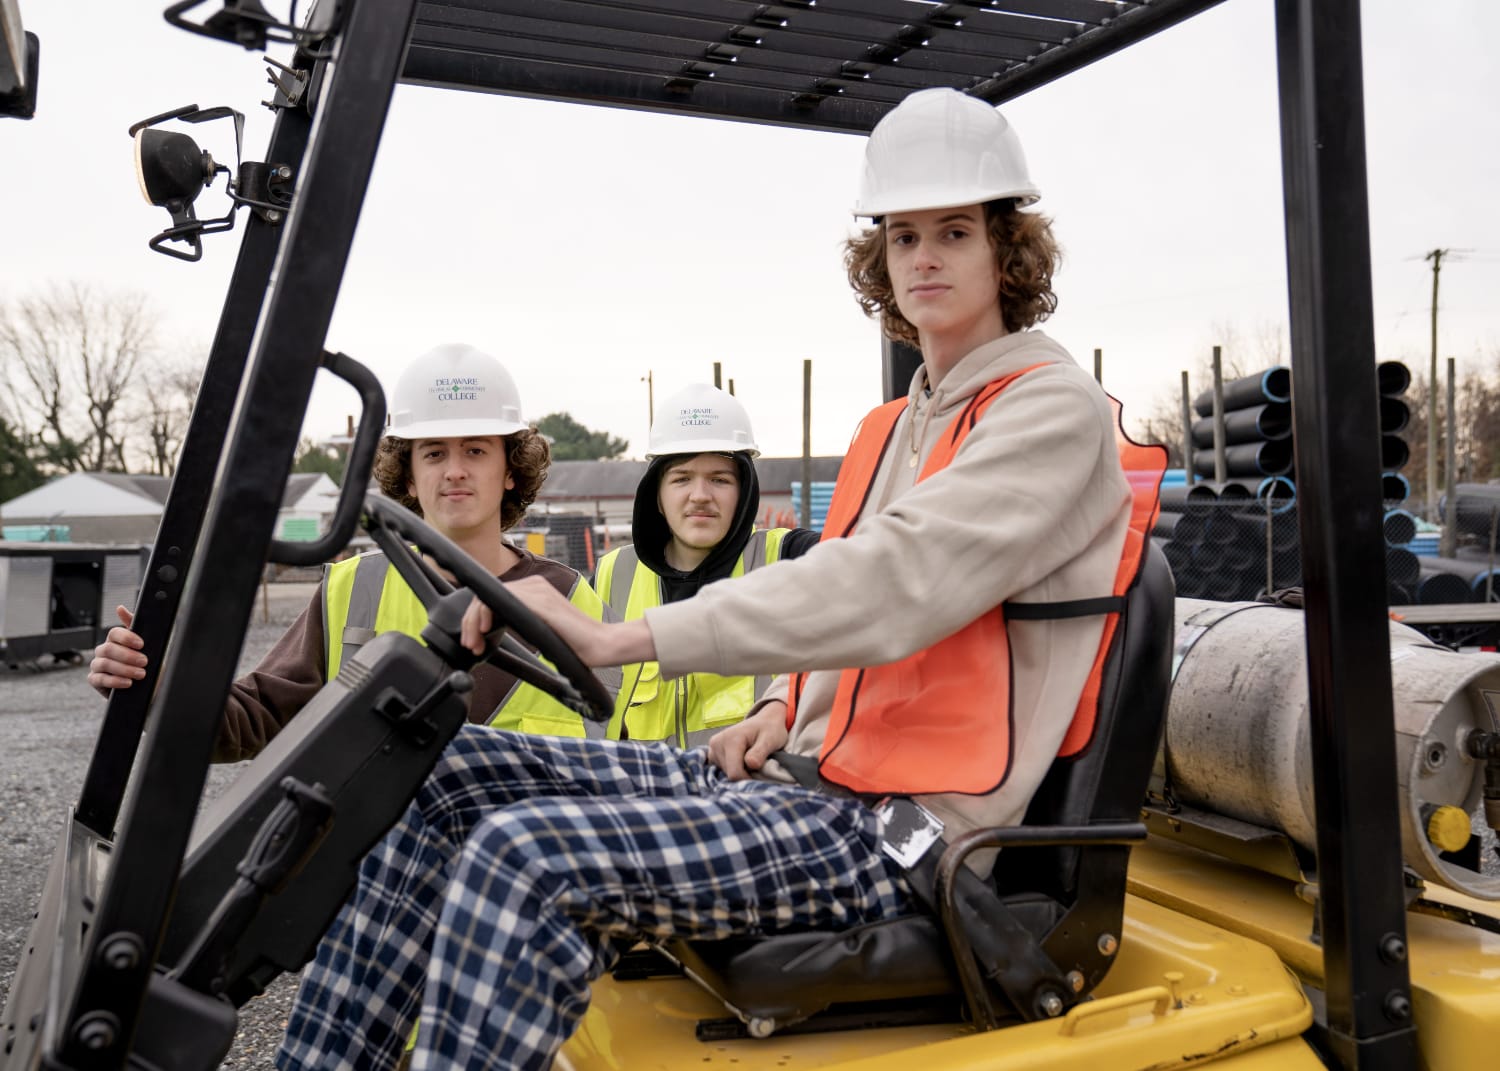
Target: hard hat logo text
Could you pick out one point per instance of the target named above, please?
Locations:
(457, 389)
(696, 417)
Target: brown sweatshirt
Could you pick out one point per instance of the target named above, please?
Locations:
(266, 698)
(1034, 508)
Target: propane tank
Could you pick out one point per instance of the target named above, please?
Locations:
(1238, 744)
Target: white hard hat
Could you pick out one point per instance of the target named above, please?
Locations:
(700, 419)
(940, 148)
(455, 390)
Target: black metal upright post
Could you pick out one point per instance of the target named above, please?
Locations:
(187, 502)
(1337, 439)
(221, 582)
(898, 363)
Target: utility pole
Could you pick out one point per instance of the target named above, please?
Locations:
(719, 374)
(650, 400)
(1221, 467)
(1187, 433)
(1450, 470)
(1436, 256)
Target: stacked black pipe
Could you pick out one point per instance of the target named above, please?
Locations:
(1475, 567)
(1476, 559)
(1476, 513)
(1224, 539)
(1257, 427)
(1405, 579)
(1238, 538)
(1392, 378)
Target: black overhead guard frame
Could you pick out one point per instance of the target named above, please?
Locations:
(187, 501)
(838, 65)
(1336, 434)
(224, 570)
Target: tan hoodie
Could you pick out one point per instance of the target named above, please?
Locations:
(1033, 508)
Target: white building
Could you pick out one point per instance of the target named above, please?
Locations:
(109, 507)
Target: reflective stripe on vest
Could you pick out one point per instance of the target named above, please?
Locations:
(692, 708)
(940, 719)
(365, 596)
(351, 598)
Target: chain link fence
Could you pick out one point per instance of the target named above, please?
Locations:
(1229, 525)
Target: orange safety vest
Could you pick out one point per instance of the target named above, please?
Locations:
(940, 720)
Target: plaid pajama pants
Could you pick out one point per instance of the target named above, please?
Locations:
(523, 860)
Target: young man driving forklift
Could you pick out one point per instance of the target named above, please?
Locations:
(693, 523)
(522, 862)
(458, 454)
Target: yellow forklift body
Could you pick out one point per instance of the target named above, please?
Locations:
(1184, 993)
(1455, 967)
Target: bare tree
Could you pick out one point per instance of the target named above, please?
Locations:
(170, 389)
(28, 345)
(1270, 344)
(1478, 421)
(1476, 424)
(1241, 352)
(1163, 424)
(78, 349)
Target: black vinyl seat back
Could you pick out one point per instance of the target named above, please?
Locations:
(1066, 898)
(1107, 781)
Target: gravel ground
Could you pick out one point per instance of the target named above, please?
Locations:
(48, 720)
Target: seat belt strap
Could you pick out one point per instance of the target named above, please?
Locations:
(1056, 611)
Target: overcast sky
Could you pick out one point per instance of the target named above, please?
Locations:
(587, 246)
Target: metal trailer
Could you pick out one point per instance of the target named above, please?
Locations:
(832, 66)
(59, 598)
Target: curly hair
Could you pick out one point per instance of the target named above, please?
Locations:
(527, 458)
(1026, 253)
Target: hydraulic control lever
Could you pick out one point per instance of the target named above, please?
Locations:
(286, 839)
(416, 721)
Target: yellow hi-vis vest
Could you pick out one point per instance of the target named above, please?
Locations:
(692, 708)
(365, 596)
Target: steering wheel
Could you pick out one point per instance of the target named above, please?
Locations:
(396, 529)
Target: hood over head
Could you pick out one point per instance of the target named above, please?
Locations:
(651, 533)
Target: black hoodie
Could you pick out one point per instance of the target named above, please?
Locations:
(650, 532)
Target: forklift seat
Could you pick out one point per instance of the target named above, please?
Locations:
(1069, 898)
